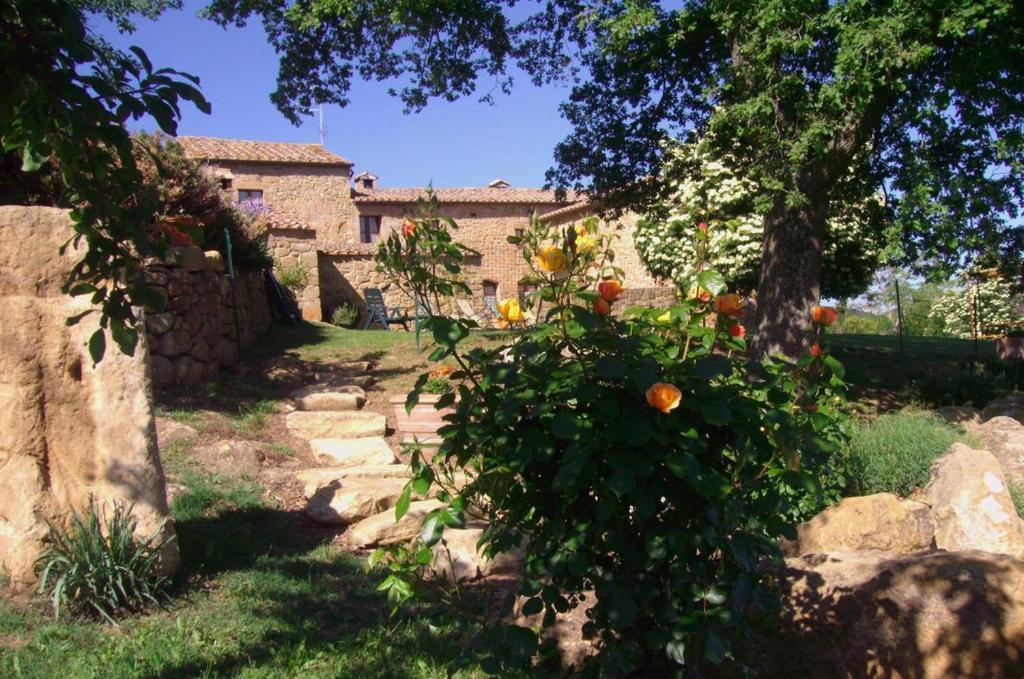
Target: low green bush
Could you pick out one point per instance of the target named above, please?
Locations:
(894, 453)
(1017, 495)
(99, 567)
(293, 277)
(345, 315)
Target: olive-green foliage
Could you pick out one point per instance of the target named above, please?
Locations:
(663, 516)
(99, 567)
(345, 315)
(894, 453)
(1017, 495)
(67, 97)
(293, 277)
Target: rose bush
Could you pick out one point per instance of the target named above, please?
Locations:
(639, 462)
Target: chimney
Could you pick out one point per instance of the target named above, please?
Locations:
(366, 181)
(498, 184)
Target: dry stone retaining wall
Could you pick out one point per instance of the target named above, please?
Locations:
(69, 429)
(292, 248)
(195, 336)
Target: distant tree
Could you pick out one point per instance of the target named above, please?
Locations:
(985, 308)
(66, 97)
(822, 103)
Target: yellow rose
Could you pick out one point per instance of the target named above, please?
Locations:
(585, 244)
(551, 259)
(664, 396)
(510, 310)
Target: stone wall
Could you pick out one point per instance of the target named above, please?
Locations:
(195, 336)
(298, 247)
(69, 429)
(318, 195)
(621, 230)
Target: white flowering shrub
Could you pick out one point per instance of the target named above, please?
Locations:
(668, 243)
(995, 309)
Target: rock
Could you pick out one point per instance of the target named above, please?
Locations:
(158, 324)
(313, 479)
(189, 258)
(342, 380)
(459, 554)
(382, 529)
(189, 371)
(326, 425)
(329, 397)
(353, 452)
(161, 370)
(873, 522)
(169, 432)
(213, 261)
(1004, 438)
(230, 457)
(174, 343)
(200, 350)
(960, 416)
(1008, 406)
(971, 504)
(935, 615)
(226, 352)
(350, 500)
(69, 429)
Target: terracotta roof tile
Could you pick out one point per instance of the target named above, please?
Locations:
(465, 195)
(212, 148)
(584, 205)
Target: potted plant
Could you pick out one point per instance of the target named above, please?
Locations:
(1012, 345)
(422, 422)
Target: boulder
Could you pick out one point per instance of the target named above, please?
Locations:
(1008, 406)
(213, 261)
(158, 324)
(382, 529)
(353, 452)
(187, 257)
(350, 500)
(971, 504)
(312, 479)
(960, 416)
(329, 397)
(174, 343)
(329, 424)
(169, 432)
(1004, 438)
(458, 554)
(933, 615)
(70, 430)
(874, 522)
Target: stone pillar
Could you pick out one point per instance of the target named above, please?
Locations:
(68, 429)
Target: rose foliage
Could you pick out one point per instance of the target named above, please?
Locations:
(636, 460)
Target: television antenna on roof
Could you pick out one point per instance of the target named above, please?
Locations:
(323, 126)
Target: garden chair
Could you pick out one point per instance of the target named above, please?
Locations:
(379, 312)
(467, 312)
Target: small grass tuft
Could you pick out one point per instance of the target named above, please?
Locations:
(252, 417)
(894, 452)
(1017, 495)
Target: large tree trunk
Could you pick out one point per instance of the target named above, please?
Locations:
(790, 283)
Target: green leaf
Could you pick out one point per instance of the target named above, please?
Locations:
(404, 500)
(676, 651)
(716, 413)
(622, 480)
(837, 368)
(712, 366)
(430, 533)
(610, 368)
(712, 281)
(97, 345)
(533, 606)
(564, 425)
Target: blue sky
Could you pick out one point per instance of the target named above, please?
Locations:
(465, 143)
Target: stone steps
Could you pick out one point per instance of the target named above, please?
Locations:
(351, 500)
(329, 397)
(353, 452)
(382, 529)
(328, 424)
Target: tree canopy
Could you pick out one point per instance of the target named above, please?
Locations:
(822, 104)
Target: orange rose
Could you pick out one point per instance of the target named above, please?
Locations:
(737, 330)
(510, 310)
(609, 289)
(729, 305)
(664, 396)
(551, 259)
(409, 228)
(815, 351)
(825, 315)
(602, 307)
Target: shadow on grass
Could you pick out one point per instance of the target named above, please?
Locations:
(319, 612)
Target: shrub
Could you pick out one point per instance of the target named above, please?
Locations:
(894, 453)
(638, 462)
(345, 315)
(1017, 495)
(99, 567)
(973, 384)
(293, 277)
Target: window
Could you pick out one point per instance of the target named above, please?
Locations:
(369, 229)
(225, 183)
(250, 196)
(367, 183)
(490, 289)
(524, 290)
(520, 233)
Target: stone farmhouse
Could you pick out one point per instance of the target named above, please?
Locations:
(326, 219)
